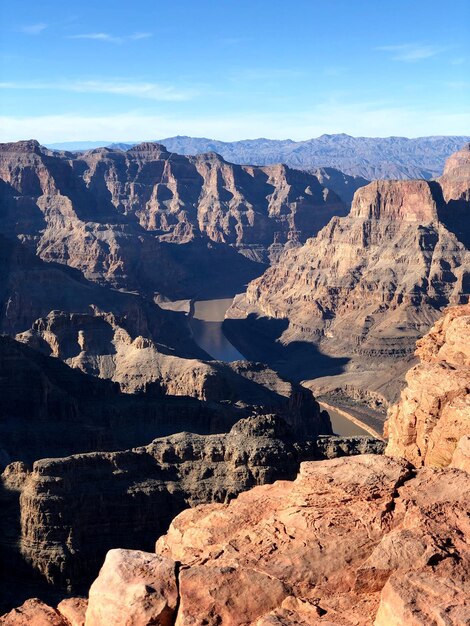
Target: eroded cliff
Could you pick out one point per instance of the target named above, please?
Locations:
(350, 303)
(433, 413)
(72, 510)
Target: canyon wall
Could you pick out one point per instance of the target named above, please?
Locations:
(117, 215)
(356, 297)
(433, 413)
(72, 510)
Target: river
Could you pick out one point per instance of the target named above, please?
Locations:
(206, 317)
(206, 325)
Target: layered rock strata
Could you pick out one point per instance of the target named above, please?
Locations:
(350, 542)
(31, 289)
(49, 409)
(74, 509)
(434, 409)
(348, 306)
(101, 345)
(117, 215)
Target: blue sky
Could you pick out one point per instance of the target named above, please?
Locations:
(233, 69)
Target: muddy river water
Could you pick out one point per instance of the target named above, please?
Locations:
(206, 324)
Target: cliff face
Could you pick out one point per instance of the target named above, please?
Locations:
(49, 409)
(117, 215)
(455, 181)
(433, 414)
(74, 509)
(368, 285)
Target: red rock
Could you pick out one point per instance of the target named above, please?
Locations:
(135, 588)
(461, 456)
(336, 544)
(74, 610)
(33, 613)
(226, 595)
(434, 410)
(415, 599)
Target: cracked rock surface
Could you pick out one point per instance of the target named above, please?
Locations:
(350, 541)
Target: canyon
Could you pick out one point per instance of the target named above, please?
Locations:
(117, 215)
(362, 540)
(121, 423)
(348, 305)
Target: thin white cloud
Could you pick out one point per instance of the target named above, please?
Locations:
(109, 38)
(147, 90)
(33, 29)
(137, 36)
(359, 119)
(411, 52)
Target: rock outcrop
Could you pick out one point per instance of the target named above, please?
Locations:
(354, 299)
(455, 181)
(49, 409)
(117, 215)
(33, 612)
(350, 542)
(72, 510)
(433, 414)
(135, 588)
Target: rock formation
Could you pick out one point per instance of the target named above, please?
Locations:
(343, 185)
(355, 298)
(434, 410)
(455, 181)
(49, 409)
(72, 510)
(350, 541)
(32, 289)
(100, 344)
(116, 215)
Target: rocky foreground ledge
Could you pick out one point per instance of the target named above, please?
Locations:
(367, 540)
(361, 540)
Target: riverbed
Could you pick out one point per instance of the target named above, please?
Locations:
(206, 324)
(206, 318)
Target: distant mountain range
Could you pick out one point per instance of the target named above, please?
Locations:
(369, 157)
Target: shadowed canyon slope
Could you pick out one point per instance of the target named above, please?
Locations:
(74, 509)
(365, 288)
(117, 216)
(50, 409)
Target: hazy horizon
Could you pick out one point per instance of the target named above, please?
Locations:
(234, 70)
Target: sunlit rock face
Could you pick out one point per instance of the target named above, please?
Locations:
(117, 216)
(361, 540)
(431, 422)
(369, 284)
